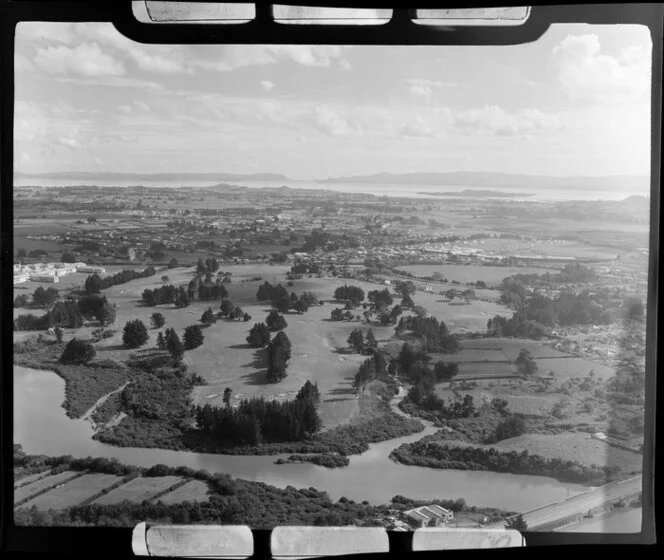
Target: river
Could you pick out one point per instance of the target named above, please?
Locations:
(42, 427)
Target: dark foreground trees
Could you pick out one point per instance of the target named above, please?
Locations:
(134, 334)
(259, 335)
(77, 352)
(517, 522)
(257, 421)
(193, 337)
(278, 353)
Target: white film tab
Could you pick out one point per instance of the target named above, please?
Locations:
(456, 539)
(193, 541)
(310, 542)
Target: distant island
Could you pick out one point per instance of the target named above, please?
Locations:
(500, 180)
(113, 176)
(479, 193)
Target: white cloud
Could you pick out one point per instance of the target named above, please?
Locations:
(68, 142)
(22, 64)
(418, 128)
(142, 106)
(345, 64)
(86, 59)
(331, 123)
(126, 109)
(266, 85)
(585, 73)
(495, 121)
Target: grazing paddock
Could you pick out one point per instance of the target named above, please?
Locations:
(193, 491)
(575, 447)
(74, 492)
(471, 355)
(22, 481)
(40, 485)
(567, 368)
(492, 275)
(138, 489)
(486, 369)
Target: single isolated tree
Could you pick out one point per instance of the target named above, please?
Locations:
(174, 345)
(193, 337)
(226, 308)
(93, 284)
(173, 263)
(356, 341)
(161, 341)
(370, 343)
(259, 335)
(106, 315)
(134, 334)
(275, 322)
(58, 335)
(158, 320)
(228, 394)
(77, 352)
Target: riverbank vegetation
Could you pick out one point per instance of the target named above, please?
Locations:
(229, 501)
(85, 384)
(430, 452)
(329, 460)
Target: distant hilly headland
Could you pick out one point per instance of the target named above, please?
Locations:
(112, 176)
(498, 180)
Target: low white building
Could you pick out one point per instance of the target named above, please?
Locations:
(429, 516)
(91, 269)
(50, 278)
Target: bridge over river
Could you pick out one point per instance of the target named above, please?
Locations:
(570, 510)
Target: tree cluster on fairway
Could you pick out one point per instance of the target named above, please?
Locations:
(63, 314)
(380, 299)
(433, 334)
(171, 341)
(352, 294)
(134, 334)
(338, 314)
(360, 344)
(275, 322)
(158, 320)
(278, 354)
(159, 296)
(193, 337)
(209, 317)
(282, 301)
(94, 283)
(230, 311)
(207, 266)
(413, 363)
(206, 290)
(255, 421)
(77, 352)
(259, 335)
(44, 297)
(404, 288)
(526, 363)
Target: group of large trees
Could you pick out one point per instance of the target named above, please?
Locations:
(278, 354)
(349, 294)
(275, 321)
(361, 344)
(255, 421)
(433, 333)
(207, 266)
(229, 310)
(62, 314)
(279, 298)
(259, 335)
(95, 283)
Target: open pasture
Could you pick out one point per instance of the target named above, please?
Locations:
(573, 446)
(22, 481)
(74, 492)
(512, 346)
(192, 491)
(566, 368)
(42, 484)
(138, 489)
(485, 370)
(492, 275)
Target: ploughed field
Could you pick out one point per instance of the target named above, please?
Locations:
(70, 488)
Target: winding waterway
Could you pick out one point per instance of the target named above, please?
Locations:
(42, 427)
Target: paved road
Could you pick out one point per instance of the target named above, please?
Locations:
(581, 503)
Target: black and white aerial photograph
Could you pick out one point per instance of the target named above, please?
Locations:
(326, 285)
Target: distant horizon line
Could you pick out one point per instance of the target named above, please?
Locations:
(281, 176)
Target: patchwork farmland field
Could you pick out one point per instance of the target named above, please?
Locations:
(30, 478)
(138, 489)
(40, 485)
(567, 368)
(492, 275)
(575, 447)
(485, 370)
(74, 492)
(192, 491)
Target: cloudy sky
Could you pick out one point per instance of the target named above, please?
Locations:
(574, 103)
